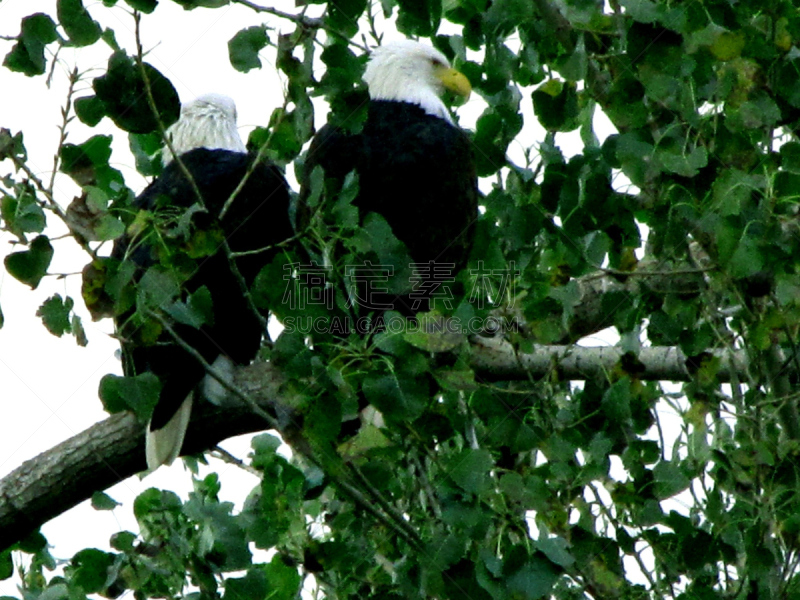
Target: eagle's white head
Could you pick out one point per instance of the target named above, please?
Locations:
(208, 121)
(409, 71)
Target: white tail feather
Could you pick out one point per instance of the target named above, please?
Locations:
(163, 446)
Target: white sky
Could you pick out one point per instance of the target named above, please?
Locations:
(48, 386)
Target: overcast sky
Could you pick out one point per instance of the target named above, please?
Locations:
(48, 385)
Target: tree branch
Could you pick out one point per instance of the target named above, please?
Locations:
(113, 450)
(588, 313)
(495, 359)
(301, 21)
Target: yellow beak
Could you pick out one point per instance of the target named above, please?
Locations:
(455, 81)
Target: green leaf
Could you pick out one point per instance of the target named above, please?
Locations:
(733, 188)
(617, 401)
(253, 586)
(11, 146)
(470, 469)
(76, 21)
(123, 541)
(2, 318)
(787, 81)
(146, 150)
(138, 394)
(27, 55)
(102, 501)
(759, 112)
(191, 4)
(156, 501)
(29, 266)
(748, 259)
(686, 165)
(669, 480)
(397, 397)
(343, 15)
(198, 310)
(90, 569)
(435, 333)
(90, 110)
(6, 566)
(790, 157)
(108, 228)
(556, 549)
(22, 214)
(283, 579)
(157, 288)
(88, 164)
(503, 16)
(55, 314)
(728, 45)
(643, 11)
(377, 235)
(123, 93)
(533, 580)
(146, 6)
(56, 591)
(35, 542)
(419, 17)
(243, 48)
(556, 106)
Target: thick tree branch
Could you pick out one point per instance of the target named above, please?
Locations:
(592, 311)
(113, 450)
(110, 451)
(495, 359)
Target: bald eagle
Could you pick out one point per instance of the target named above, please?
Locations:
(414, 165)
(208, 144)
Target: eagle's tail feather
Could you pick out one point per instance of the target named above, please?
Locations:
(163, 445)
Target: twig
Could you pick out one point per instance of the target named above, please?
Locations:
(618, 526)
(240, 394)
(262, 151)
(51, 204)
(384, 504)
(62, 130)
(49, 79)
(286, 242)
(225, 456)
(426, 484)
(617, 273)
(301, 20)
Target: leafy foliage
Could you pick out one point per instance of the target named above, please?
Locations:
(466, 487)
(27, 55)
(243, 48)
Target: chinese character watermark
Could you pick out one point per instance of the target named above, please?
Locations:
(494, 285)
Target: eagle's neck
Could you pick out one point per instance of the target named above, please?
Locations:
(211, 129)
(408, 89)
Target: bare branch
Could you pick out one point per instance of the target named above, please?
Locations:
(62, 130)
(495, 359)
(301, 20)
